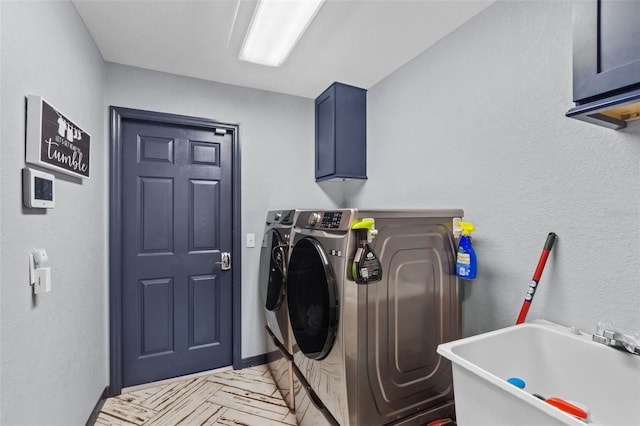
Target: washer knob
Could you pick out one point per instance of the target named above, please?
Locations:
(313, 219)
(278, 216)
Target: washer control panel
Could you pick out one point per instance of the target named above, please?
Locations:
(330, 220)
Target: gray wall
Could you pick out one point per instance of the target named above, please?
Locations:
(276, 149)
(54, 352)
(477, 122)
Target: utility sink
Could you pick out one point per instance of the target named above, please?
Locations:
(553, 361)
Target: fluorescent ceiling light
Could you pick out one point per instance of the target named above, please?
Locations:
(275, 28)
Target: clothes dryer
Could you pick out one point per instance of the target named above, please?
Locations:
(273, 270)
(368, 351)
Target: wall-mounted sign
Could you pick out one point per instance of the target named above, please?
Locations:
(54, 141)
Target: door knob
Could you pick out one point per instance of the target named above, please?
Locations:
(225, 261)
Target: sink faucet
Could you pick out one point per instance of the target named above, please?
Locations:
(606, 335)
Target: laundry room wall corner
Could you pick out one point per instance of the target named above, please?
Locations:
(343, 192)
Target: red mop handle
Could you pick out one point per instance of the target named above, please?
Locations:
(551, 238)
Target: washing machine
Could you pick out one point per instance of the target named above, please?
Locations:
(366, 353)
(274, 254)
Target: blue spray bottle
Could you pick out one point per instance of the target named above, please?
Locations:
(466, 262)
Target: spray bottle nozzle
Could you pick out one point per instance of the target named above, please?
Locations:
(369, 224)
(467, 227)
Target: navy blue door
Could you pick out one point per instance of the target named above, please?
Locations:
(176, 221)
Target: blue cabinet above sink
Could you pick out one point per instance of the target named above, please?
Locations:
(606, 62)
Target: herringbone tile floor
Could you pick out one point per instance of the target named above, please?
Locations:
(243, 397)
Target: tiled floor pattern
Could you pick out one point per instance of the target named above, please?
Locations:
(242, 397)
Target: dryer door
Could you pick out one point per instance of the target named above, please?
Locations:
(312, 298)
(273, 269)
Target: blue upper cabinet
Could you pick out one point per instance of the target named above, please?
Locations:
(341, 133)
(606, 62)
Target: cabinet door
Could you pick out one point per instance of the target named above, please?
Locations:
(606, 54)
(325, 134)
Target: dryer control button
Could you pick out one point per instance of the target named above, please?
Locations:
(313, 219)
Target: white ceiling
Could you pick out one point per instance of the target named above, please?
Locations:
(357, 42)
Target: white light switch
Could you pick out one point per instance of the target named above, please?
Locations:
(39, 275)
(43, 280)
(251, 240)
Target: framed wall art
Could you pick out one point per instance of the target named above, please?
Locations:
(54, 141)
